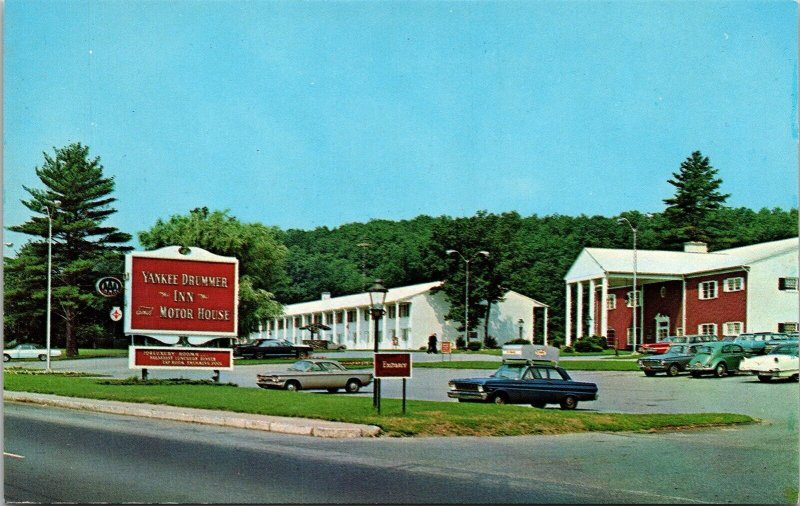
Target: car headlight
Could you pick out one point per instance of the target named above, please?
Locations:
(662, 362)
(451, 385)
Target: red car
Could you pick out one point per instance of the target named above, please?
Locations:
(663, 345)
(658, 347)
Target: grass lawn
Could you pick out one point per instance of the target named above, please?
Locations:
(423, 418)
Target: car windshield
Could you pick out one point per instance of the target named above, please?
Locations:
(677, 348)
(706, 349)
(302, 366)
(332, 366)
(785, 349)
(509, 372)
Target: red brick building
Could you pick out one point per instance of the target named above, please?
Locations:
(747, 289)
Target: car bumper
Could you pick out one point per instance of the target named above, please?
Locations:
(472, 396)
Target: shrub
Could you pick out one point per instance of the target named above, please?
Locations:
(460, 344)
(490, 342)
(558, 342)
(568, 349)
(519, 341)
(591, 343)
(474, 346)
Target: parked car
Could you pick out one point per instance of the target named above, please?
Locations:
(781, 362)
(658, 347)
(524, 383)
(262, 348)
(778, 340)
(754, 343)
(327, 375)
(29, 350)
(719, 359)
(672, 362)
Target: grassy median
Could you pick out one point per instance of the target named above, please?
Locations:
(422, 418)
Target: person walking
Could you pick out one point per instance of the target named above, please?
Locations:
(432, 342)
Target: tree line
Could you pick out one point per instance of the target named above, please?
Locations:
(527, 254)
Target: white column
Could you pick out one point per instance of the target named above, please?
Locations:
(372, 335)
(397, 320)
(386, 340)
(604, 308)
(545, 324)
(358, 324)
(592, 307)
(568, 316)
(579, 315)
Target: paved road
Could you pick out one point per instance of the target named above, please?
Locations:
(72, 456)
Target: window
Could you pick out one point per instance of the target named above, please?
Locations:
(788, 284)
(732, 328)
(392, 311)
(351, 315)
(629, 298)
(611, 301)
(678, 331)
(707, 290)
(707, 329)
(787, 327)
(318, 318)
(405, 310)
(280, 324)
(733, 285)
(663, 292)
(365, 311)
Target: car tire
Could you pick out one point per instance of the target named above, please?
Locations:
(673, 370)
(333, 390)
(650, 373)
(352, 386)
(500, 398)
(6, 358)
(258, 356)
(302, 354)
(763, 378)
(539, 405)
(796, 377)
(42, 357)
(569, 402)
(292, 386)
(720, 370)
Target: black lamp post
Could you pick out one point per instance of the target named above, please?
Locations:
(521, 323)
(377, 296)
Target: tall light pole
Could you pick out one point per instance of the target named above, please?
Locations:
(377, 296)
(49, 275)
(634, 297)
(466, 288)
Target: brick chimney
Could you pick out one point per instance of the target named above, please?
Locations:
(325, 296)
(695, 247)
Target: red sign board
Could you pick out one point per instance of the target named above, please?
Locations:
(392, 365)
(164, 357)
(169, 292)
(446, 347)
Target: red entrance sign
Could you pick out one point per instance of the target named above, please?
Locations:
(169, 292)
(160, 357)
(446, 347)
(392, 365)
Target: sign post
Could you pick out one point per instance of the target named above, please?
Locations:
(393, 365)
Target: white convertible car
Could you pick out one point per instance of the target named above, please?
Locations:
(781, 362)
(29, 351)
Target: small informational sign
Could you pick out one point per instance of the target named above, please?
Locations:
(447, 347)
(392, 365)
(108, 286)
(115, 314)
(165, 357)
(183, 291)
(530, 352)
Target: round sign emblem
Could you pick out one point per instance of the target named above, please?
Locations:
(108, 286)
(116, 314)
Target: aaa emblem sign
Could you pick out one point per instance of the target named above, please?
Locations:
(193, 292)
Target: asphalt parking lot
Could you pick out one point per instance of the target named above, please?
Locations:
(622, 392)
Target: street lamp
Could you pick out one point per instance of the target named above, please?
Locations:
(466, 288)
(521, 323)
(49, 274)
(377, 296)
(634, 297)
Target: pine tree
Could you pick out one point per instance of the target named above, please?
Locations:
(691, 212)
(76, 196)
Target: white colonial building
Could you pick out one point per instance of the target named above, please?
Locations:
(412, 314)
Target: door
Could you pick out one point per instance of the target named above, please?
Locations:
(662, 326)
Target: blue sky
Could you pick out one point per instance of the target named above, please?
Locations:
(306, 114)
